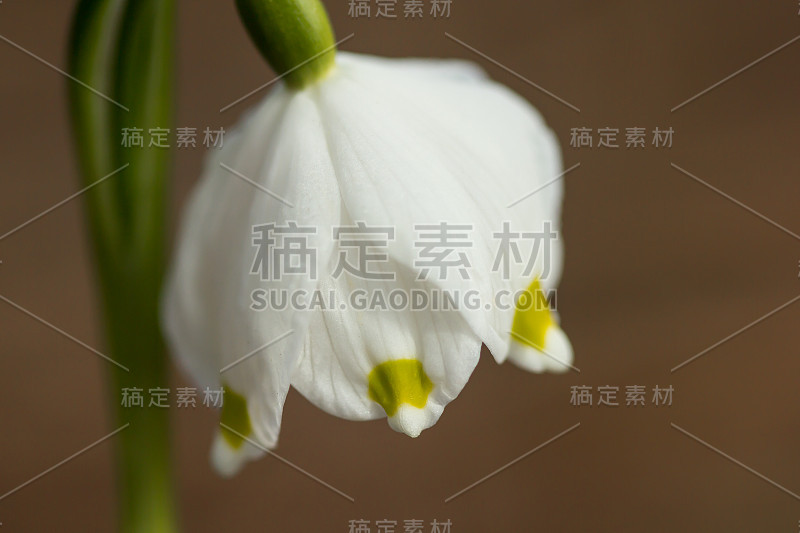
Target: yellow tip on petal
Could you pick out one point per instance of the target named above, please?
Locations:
(402, 381)
(532, 318)
(538, 343)
(230, 450)
(235, 416)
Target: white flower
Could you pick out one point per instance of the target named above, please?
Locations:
(389, 144)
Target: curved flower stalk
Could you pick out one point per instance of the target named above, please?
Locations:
(125, 49)
(423, 150)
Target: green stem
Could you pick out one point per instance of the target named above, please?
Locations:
(144, 466)
(294, 36)
(124, 49)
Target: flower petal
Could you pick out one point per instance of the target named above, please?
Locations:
(363, 364)
(538, 344)
(445, 151)
(277, 171)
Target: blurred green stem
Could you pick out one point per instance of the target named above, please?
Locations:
(124, 49)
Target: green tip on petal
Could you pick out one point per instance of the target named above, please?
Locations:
(295, 37)
(397, 382)
(235, 416)
(532, 318)
(538, 343)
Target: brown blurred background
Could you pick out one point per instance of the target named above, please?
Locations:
(658, 268)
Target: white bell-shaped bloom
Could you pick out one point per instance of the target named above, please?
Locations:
(433, 154)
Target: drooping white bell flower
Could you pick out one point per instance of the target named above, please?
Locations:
(415, 148)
